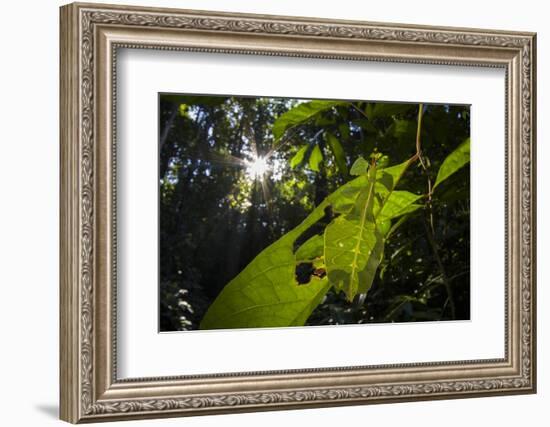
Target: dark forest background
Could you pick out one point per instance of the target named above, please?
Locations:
(215, 216)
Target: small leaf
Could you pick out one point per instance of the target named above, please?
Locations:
(453, 162)
(359, 167)
(183, 110)
(382, 162)
(315, 158)
(343, 128)
(387, 178)
(385, 227)
(338, 153)
(298, 158)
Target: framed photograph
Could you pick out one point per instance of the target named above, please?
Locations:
(266, 212)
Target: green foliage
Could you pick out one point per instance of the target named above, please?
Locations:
(300, 114)
(384, 109)
(236, 251)
(267, 294)
(183, 110)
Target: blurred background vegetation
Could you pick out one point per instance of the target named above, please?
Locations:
(218, 211)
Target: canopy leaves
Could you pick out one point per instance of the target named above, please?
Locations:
(300, 114)
(238, 174)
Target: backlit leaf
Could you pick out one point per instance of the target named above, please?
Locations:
(354, 244)
(338, 153)
(298, 157)
(266, 293)
(359, 167)
(453, 162)
(315, 158)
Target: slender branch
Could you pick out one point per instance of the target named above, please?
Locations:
(414, 158)
(418, 131)
(425, 168)
(356, 108)
(397, 307)
(430, 229)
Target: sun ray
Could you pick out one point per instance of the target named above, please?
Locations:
(227, 159)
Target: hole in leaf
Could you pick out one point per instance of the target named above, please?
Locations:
(304, 272)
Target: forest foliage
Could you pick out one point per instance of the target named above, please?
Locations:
(279, 212)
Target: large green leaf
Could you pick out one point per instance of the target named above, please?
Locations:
(453, 162)
(300, 114)
(266, 293)
(338, 153)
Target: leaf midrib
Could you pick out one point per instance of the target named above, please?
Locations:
(362, 227)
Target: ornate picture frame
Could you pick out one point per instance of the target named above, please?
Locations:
(90, 37)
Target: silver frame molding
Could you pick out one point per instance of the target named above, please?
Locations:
(90, 37)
